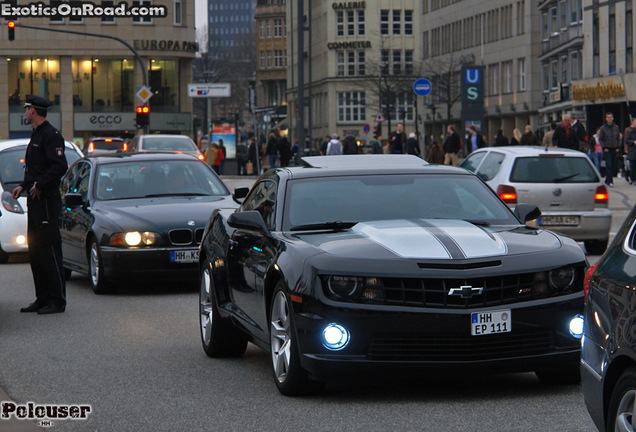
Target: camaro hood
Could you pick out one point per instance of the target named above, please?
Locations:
(162, 212)
(431, 239)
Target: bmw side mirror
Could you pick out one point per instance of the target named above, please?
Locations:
(250, 220)
(241, 192)
(72, 200)
(527, 212)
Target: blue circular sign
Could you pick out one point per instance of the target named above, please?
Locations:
(366, 128)
(422, 87)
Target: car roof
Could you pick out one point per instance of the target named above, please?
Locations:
(141, 156)
(535, 151)
(5, 144)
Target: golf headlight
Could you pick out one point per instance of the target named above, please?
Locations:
(562, 278)
(335, 337)
(576, 326)
(11, 204)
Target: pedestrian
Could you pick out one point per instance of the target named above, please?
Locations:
(435, 154)
(251, 166)
(44, 166)
(323, 146)
(349, 145)
(500, 139)
(529, 138)
(374, 146)
(222, 166)
(413, 145)
(272, 150)
(547, 138)
(596, 151)
(397, 140)
(475, 139)
(334, 147)
(564, 136)
(220, 157)
(609, 137)
(452, 146)
(580, 136)
(284, 151)
(516, 137)
(630, 143)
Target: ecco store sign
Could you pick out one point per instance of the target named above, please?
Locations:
(104, 121)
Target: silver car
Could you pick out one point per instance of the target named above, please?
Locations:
(165, 143)
(564, 184)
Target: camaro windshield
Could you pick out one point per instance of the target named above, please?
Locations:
(339, 201)
(145, 179)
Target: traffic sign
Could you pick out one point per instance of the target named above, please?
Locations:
(472, 93)
(209, 90)
(379, 118)
(422, 87)
(144, 94)
(366, 128)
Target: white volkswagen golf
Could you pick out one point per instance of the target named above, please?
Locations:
(13, 224)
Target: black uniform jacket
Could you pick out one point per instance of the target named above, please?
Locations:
(45, 162)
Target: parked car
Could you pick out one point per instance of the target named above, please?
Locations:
(13, 226)
(608, 357)
(564, 184)
(99, 145)
(165, 143)
(137, 216)
(378, 263)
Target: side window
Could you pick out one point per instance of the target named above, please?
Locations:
(263, 200)
(68, 181)
(83, 176)
(472, 162)
(491, 165)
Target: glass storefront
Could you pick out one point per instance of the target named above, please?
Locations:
(36, 76)
(103, 85)
(163, 79)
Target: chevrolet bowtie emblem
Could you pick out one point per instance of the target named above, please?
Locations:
(466, 291)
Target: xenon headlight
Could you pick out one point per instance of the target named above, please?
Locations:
(135, 238)
(562, 278)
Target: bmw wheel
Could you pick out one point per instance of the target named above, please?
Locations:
(622, 409)
(218, 336)
(98, 281)
(290, 378)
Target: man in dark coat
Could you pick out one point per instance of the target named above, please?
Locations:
(500, 139)
(609, 136)
(564, 136)
(452, 146)
(397, 140)
(349, 145)
(475, 139)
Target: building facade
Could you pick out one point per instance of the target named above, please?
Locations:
(501, 37)
(359, 58)
(93, 82)
(229, 22)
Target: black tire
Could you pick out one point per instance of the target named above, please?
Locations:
(96, 270)
(596, 247)
(622, 402)
(67, 273)
(218, 336)
(4, 257)
(290, 378)
(571, 375)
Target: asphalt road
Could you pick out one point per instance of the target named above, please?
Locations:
(136, 358)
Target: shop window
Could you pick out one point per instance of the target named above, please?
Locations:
(103, 85)
(177, 12)
(36, 76)
(163, 78)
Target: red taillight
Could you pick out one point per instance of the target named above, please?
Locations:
(601, 196)
(91, 147)
(587, 280)
(507, 193)
(201, 157)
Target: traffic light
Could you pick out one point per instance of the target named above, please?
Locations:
(377, 131)
(11, 25)
(143, 116)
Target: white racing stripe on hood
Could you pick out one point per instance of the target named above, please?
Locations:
(403, 238)
(472, 240)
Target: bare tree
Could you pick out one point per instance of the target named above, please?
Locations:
(444, 75)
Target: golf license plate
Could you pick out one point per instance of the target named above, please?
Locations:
(184, 256)
(490, 322)
(559, 220)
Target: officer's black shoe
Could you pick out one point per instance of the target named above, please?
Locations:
(33, 307)
(51, 309)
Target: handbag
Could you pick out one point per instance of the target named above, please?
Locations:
(249, 168)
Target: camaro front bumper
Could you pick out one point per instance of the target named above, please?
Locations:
(147, 263)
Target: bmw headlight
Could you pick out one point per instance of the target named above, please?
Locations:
(562, 278)
(11, 204)
(135, 238)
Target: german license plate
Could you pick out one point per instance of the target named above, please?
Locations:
(559, 220)
(490, 322)
(184, 256)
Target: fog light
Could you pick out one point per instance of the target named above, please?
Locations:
(335, 337)
(20, 239)
(576, 326)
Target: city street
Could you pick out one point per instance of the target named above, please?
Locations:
(135, 357)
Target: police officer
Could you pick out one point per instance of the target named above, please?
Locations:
(45, 164)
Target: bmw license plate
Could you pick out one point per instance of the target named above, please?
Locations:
(490, 322)
(559, 220)
(184, 256)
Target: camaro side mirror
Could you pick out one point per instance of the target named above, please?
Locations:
(73, 200)
(251, 220)
(527, 212)
(241, 192)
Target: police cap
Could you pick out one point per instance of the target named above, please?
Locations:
(36, 102)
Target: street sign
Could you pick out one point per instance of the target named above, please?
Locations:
(379, 118)
(209, 90)
(472, 93)
(422, 87)
(144, 94)
(366, 128)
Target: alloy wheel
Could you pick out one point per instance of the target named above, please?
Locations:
(626, 414)
(280, 337)
(94, 264)
(205, 308)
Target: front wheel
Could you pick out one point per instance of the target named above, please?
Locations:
(290, 378)
(595, 247)
(621, 415)
(98, 281)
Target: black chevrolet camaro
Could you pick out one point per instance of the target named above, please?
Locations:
(361, 263)
(137, 216)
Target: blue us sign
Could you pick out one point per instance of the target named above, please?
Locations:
(422, 87)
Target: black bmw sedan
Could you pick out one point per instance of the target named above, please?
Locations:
(382, 262)
(137, 216)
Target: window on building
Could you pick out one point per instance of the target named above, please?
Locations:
(262, 60)
(268, 28)
(108, 3)
(521, 67)
(269, 59)
(397, 62)
(177, 11)
(351, 107)
(576, 11)
(425, 49)
(285, 56)
(595, 45)
(351, 23)
(163, 78)
(563, 14)
(278, 58)
(546, 77)
(397, 21)
(554, 27)
(554, 74)
(361, 22)
(75, 4)
(408, 62)
(351, 63)
(521, 17)
(340, 56)
(261, 29)
(507, 77)
(408, 22)
(494, 79)
(384, 22)
(564, 70)
(340, 23)
(37, 76)
(574, 65)
(278, 27)
(629, 42)
(545, 32)
(145, 19)
(361, 63)
(384, 61)
(403, 107)
(612, 40)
